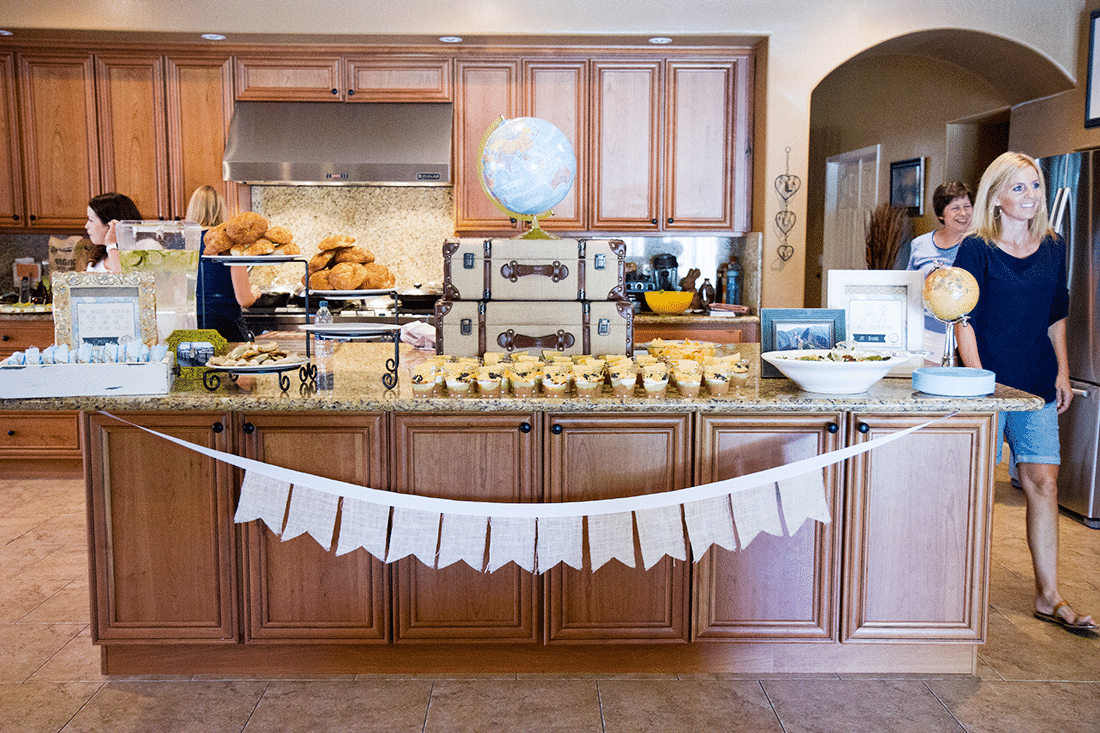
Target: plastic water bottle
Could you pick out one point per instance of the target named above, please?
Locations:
(323, 348)
(733, 282)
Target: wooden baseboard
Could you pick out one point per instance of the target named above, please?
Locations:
(258, 660)
(57, 468)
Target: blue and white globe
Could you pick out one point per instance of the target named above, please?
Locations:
(527, 166)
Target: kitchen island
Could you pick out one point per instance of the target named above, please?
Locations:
(897, 581)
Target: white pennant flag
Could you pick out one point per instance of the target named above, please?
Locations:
(709, 522)
(462, 538)
(365, 525)
(755, 511)
(263, 497)
(803, 498)
(511, 539)
(611, 536)
(414, 532)
(660, 533)
(560, 540)
(314, 512)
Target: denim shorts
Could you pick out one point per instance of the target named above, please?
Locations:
(1032, 436)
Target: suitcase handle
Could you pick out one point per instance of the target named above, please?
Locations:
(513, 271)
(510, 340)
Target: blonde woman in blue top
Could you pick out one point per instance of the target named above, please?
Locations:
(1018, 330)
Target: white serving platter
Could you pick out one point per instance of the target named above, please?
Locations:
(348, 329)
(253, 259)
(352, 294)
(283, 366)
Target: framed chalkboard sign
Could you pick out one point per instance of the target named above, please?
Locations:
(104, 308)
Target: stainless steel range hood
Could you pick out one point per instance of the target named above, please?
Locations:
(335, 143)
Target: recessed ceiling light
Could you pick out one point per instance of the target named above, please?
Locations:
(450, 39)
(6, 33)
(660, 40)
(213, 36)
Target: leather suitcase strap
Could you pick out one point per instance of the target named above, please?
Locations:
(560, 340)
(513, 271)
(581, 268)
(481, 328)
(486, 289)
(586, 332)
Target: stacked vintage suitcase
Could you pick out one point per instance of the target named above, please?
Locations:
(512, 295)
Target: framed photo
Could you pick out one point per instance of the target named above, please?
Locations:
(192, 348)
(883, 309)
(907, 185)
(783, 329)
(104, 308)
(1092, 91)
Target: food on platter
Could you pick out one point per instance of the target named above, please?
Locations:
(343, 265)
(247, 234)
(255, 354)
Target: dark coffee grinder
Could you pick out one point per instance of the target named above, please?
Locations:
(666, 272)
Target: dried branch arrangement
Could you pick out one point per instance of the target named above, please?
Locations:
(887, 227)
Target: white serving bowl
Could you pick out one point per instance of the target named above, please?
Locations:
(833, 377)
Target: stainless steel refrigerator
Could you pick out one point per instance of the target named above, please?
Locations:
(1073, 195)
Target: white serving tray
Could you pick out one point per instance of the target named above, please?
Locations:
(84, 380)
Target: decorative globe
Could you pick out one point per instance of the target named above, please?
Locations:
(527, 166)
(950, 293)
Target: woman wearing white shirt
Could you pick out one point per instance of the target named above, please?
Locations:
(104, 212)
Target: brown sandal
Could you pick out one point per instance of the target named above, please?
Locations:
(1054, 618)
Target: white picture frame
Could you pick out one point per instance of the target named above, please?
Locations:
(104, 307)
(883, 309)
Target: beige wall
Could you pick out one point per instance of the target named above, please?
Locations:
(806, 39)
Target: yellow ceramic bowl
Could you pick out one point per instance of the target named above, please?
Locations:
(668, 302)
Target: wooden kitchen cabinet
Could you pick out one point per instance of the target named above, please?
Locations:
(132, 117)
(486, 91)
(285, 78)
(40, 445)
(557, 91)
(60, 138)
(776, 588)
(19, 334)
(164, 559)
(391, 78)
(200, 107)
(12, 213)
(298, 590)
(491, 458)
(916, 549)
(598, 456)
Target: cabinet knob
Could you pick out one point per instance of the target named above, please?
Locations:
(15, 217)
(652, 221)
(5, 337)
(11, 432)
(335, 92)
(525, 427)
(670, 220)
(33, 217)
(512, 219)
(351, 92)
(248, 428)
(832, 428)
(556, 429)
(863, 428)
(217, 427)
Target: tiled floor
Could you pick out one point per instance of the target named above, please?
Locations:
(1033, 677)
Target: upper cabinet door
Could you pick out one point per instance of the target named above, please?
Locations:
(133, 141)
(11, 167)
(60, 150)
(396, 79)
(626, 157)
(290, 79)
(557, 91)
(697, 173)
(200, 106)
(487, 90)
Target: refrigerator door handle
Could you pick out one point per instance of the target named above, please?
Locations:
(1079, 392)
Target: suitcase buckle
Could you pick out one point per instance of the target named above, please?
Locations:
(466, 326)
(603, 326)
(468, 261)
(600, 261)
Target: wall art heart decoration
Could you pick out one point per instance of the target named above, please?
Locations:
(785, 220)
(787, 185)
(786, 252)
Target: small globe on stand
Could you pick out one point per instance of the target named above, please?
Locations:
(950, 293)
(526, 167)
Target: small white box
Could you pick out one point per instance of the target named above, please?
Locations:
(84, 380)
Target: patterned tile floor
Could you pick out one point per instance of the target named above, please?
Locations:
(1032, 676)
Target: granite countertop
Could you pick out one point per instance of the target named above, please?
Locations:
(358, 388)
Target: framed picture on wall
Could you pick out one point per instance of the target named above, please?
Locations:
(907, 185)
(1092, 91)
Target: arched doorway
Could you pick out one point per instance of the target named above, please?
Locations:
(944, 95)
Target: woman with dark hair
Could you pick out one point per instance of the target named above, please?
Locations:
(1018, 330)
(104, 212)
(953, 203)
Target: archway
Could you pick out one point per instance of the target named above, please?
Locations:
(930, 94)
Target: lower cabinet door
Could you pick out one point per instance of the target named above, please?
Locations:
(776, 587)
(596, 456)
(916, 557)
(298, 590)
(163, 548)
(483, 457)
